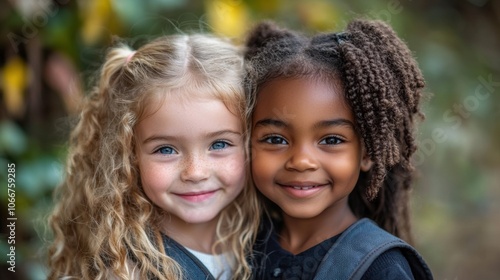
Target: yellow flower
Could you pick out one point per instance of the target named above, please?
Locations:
(227, 17)
(14, 81)
(98, 18)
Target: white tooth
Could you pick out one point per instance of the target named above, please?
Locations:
(302, 188)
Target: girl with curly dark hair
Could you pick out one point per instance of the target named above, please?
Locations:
(332, 124)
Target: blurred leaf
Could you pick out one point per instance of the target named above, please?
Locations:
(37, 176)
(227, 17)
(267, 6)
(133, 11)
(61, 32)
(318, 15)
(12, 138)
(14, 82)
(98, 17)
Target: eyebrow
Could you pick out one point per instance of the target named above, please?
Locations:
(214, 134)
(222, 132)
(335, 122)
(271, 122)
(321, 124)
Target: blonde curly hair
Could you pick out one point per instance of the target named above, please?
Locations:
(103, 223)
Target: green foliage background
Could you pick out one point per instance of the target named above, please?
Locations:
(50, 50)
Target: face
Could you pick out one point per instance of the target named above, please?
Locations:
(191, 158)
(306, 154)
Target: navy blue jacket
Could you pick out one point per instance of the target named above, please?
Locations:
(357, 248)
(363, 251)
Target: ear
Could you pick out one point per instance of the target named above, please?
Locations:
(366, 163)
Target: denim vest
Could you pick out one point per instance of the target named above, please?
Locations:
(357, 248)
(192, 267)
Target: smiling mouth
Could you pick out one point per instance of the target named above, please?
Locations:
(197, 196)
(303, 190)
(195, 193)
(302, 187)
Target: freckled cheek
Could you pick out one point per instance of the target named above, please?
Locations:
(155, 178)
(232, 171)
(150, 184)
(145, 173)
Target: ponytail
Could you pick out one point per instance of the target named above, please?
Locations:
(116, 59)
(383, 86)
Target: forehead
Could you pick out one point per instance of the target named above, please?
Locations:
(303, 95)
(188, 118)
(154, 99)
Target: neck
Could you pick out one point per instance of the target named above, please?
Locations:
(199, 237)
(299, 235)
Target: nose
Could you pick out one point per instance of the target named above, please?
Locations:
(302, 159)
(195, 169)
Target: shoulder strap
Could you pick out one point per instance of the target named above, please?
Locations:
(357, 248)
(192, 267)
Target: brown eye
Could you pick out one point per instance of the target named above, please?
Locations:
(275, 140)
(331, 140)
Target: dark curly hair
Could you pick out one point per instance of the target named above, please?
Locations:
(383, 87)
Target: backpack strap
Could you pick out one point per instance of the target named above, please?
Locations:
(358, 246)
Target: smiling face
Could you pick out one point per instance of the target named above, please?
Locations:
(306, 154)
(191, 158)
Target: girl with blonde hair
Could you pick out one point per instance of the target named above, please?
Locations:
(157, 179)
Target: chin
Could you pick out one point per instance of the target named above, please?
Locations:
(301, 214)
(200, 219)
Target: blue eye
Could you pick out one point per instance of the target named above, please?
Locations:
(219, 145)
(166, 151)
(275, 140)
(331, 140)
